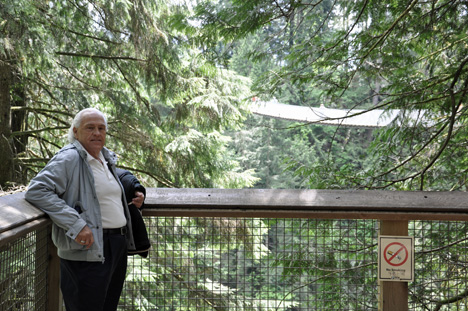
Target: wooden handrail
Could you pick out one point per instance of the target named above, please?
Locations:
(276, 203)
(18, 217)
(321, 204)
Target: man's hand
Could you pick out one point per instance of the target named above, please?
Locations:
(138, 199)
(85, 237)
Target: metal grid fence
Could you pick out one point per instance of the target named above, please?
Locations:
(441, 266)
(289, 264)
(258, 264)
(255, 264)
(23, 272)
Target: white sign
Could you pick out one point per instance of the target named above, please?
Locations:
(396, 258)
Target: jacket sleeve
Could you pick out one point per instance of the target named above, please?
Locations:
(130, 184)
(46, 190)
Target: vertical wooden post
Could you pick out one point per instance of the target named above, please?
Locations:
(41, 255)
(55, 300)
(393, 295)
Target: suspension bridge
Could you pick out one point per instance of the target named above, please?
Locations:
(365, 118)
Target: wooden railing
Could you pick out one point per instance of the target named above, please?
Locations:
(323, 204)
(18, 218)
(393, 209)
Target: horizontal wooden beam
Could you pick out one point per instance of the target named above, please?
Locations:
(277, 203)
(355, 204)
(263, 213)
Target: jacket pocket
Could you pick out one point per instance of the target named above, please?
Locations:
(82, 210)
(63, 242)
(78, 206)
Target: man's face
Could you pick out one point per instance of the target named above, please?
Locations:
(91, 133)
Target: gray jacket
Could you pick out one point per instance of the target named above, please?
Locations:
(65, 190)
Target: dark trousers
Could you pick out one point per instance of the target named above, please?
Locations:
(95, 286)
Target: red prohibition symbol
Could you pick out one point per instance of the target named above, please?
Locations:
(397, 256)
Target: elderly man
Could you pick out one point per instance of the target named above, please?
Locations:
(80, 191)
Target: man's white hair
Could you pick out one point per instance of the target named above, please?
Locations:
(77, 121)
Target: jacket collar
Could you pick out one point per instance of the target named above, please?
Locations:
(110, 156)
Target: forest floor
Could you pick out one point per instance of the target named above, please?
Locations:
(12, 190)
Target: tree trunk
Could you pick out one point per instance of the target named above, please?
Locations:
(6, 154)
(18, 125)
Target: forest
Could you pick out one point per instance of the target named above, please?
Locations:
(176, 80)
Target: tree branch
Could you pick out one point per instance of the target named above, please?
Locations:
(332, 272)
(23, 108)
(442, 247)
(93, 56)
(452, 120)
(144, 100)
(46, 129)
(447, 301)
(159, 179)
(387, 32)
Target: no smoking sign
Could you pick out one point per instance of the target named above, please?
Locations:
(396, 258)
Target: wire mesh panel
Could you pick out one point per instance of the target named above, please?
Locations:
(23, 273)
(441, 266)
(258, 264)
(255, 264)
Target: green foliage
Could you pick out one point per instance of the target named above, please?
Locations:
(168, 76)
(167, 105)
(285, 153)
(362, 54)
(446, 291)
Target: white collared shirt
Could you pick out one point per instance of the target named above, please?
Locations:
(109, 193)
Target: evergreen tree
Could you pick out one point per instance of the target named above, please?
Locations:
(291, 155)
(168, 106)
(399, 55)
